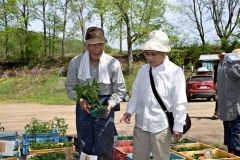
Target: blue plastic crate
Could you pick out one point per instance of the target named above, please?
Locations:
(63, 139)
(174, 156)
(38, 138)
(9, 135)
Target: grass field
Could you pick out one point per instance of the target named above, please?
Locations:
(38, 89)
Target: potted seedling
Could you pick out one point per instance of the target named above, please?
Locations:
(90, 93)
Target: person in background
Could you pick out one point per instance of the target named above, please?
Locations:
(96, 135)
(151, 132)
(228, 81)
(217, 68)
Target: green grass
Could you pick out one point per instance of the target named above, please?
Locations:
(44, 90)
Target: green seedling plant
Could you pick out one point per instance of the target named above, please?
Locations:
(49, 156)
(125, 137)
(90, 93)
(60, 124)
(49, 145)
(183, 149)
(38, 126)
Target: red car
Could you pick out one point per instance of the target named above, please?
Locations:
(200, 86)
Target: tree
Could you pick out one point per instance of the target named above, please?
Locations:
(6, 15)
(65, 9)
(140, 17)
(79, 16)
(54, 26)
(196, 11)
(100, 8)
(225, 16)
(24, 14)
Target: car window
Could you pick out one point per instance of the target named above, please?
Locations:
(205, 78)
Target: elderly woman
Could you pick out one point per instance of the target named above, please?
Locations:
(151, 132)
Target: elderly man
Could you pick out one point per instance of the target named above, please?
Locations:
(229, 100)
(96, 135)
(151, 132)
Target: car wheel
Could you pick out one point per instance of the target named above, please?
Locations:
(188, 99)
(208, 99)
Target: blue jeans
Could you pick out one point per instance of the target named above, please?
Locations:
(95, 135)
(232, 135)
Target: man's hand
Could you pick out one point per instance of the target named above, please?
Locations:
(109, 108)
(126, 118)
(84, 105)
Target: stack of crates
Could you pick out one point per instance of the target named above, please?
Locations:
(28, 139)
(123, 147)
(10, 140)
(191, 150)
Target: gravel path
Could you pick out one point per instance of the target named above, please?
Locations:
(16, 116)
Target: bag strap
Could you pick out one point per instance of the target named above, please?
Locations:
(155, 91)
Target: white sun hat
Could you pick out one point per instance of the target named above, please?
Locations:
(157, 41)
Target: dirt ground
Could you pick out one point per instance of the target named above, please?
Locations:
(16, 116)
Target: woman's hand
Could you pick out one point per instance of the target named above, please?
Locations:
(84, 105)
(177, 135)
(126, 118)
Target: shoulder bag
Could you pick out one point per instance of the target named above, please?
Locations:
(170, 117)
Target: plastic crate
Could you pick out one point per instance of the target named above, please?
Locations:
(175, 156)
(123, 143)
(9, 135)
(121, 153)
(41, 137)
(38, 138)
(188, 147)
(184, 140)
(218, 154)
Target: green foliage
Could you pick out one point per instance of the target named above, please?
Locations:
(50, 156)
(90, 93)
(37, 126)
(124, 137)
(49, 145)
(177, 56)
(35, 46)
(60, 124)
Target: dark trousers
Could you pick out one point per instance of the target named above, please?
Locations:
(232, 135)
(95, 135)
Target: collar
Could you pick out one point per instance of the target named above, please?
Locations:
(162, 66)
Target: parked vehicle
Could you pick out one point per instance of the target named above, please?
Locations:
(200, 86)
